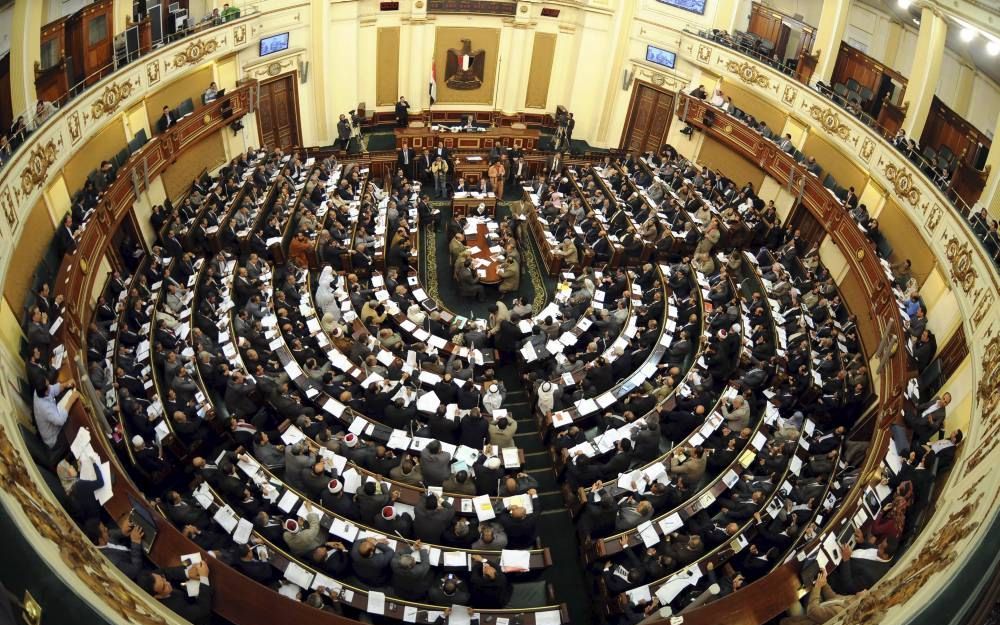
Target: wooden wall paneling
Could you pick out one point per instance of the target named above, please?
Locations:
(945, 127)
(953, 353)
(387, 66)
(52, 81)
(6, 106)
(96, 48)
(540, 73)
(765, 23)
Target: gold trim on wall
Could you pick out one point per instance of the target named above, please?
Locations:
(543, 54)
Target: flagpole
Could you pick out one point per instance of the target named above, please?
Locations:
(496, 85)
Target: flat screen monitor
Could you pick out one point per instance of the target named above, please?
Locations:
(695, 6)
(274, 43)
(666, 58)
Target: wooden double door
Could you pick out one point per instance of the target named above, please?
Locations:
(278, 113)
(648, 119)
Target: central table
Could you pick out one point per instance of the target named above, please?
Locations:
(477, 235)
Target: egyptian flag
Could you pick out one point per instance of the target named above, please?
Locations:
(433, 87)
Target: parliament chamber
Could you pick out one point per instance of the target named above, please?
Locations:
(650, 311)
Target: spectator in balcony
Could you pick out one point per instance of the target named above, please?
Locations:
(718, 98)
(699, 92)
(210, 94)
(43, 111)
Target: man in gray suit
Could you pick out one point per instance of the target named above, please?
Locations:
(411, 577)
(435, 464)
(927, 419)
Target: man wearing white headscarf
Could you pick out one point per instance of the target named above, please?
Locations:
(493, 398)
(325, 299)
(546, 397)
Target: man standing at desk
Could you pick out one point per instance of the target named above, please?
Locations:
(406, 161)
(402, 113)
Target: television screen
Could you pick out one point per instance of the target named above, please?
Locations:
(274, 43)
(660, 56)
(695, 6)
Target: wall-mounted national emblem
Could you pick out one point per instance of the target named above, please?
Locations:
(465, 69)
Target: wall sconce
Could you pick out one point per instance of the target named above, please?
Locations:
(32, 614)
(627, 79)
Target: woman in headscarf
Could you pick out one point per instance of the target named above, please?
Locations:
(79, 491)
(325, 299)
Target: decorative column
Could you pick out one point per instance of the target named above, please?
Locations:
(25, 54)
(926, 70)
(726, 15)
(829, 34)
(511, 93)
(620, 30)
(318, 70)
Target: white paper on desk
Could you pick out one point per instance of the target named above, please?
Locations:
(428, 402)
(455, 559)
(669, 590)
(648, 533)
(162, 430)
(80, 443)
(352, 481)
(225, 517)
(409, 614)
(515, 560)
(344, 529)
(288, 501)
(483, 507)
(376, 602)
(298, 575)
(459, 615)
(561, 419)
(759, 440)
(104, 493)
(292, 435)
(357, 426)
(639, 595)
(511, 457)
(795, 465)
(324, 581)
(548, 617)
(671, 524)
(243, 530)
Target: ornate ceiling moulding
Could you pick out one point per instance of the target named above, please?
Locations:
(112, 98)
(748, 73)
(35, 174)
(830, 121)
(79, 556)
(937, 555)
(902, 183)
(960, 256)
(195, 52)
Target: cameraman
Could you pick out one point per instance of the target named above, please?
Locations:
(343, 132)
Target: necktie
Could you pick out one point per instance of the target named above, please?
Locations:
(406, 157)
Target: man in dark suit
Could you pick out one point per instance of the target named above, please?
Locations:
(65, 241)
(863, 566)
(166, 120)
(402, 113)
(927, 419)
(406, 159)
(343, 132)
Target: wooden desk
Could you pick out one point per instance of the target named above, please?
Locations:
(471, 170)
(462, 206)
(481, 240)
(419, 138)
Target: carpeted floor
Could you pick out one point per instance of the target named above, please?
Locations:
(436, 272)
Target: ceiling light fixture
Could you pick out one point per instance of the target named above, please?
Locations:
(968, 34)
(903, 4)
(993, 47)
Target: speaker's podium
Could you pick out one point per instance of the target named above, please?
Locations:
(463, 204)
(472, 167)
